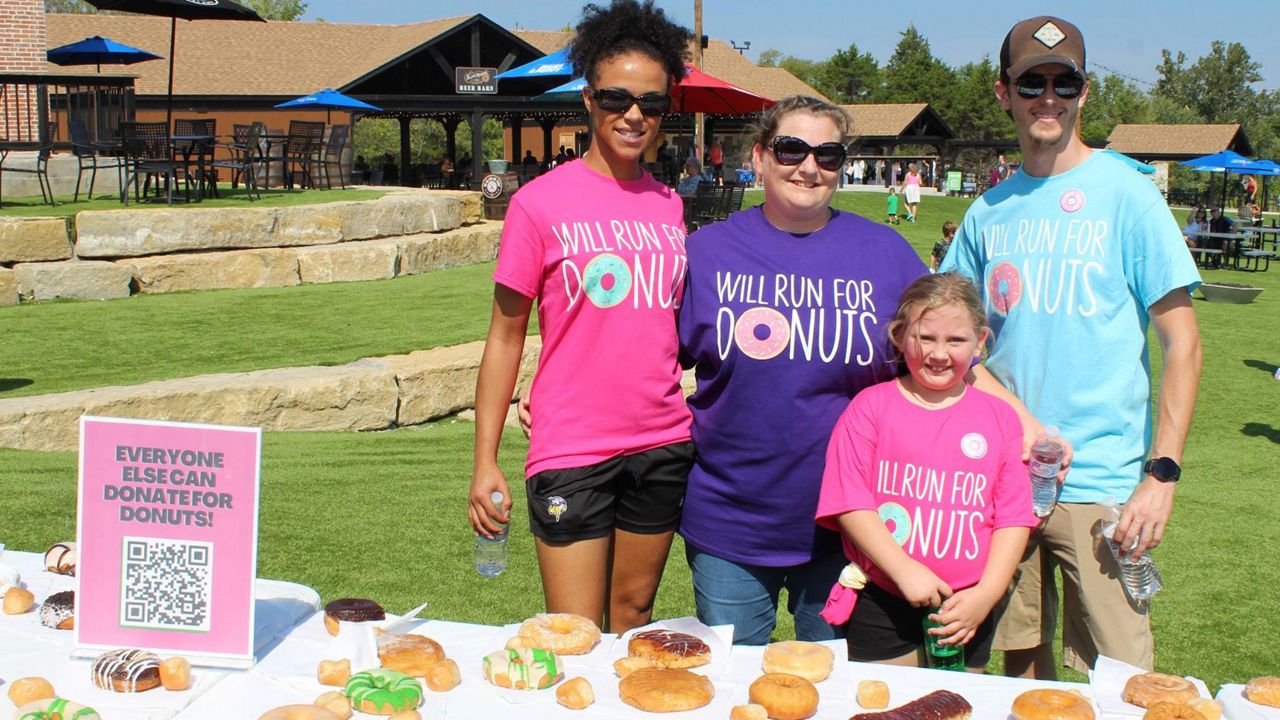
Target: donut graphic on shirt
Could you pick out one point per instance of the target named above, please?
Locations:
(896, 520)
(762, 333)
(606, 280)
(1004, 287)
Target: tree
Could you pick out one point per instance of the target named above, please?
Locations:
(68, 6)
(913, 74)
(269, 9)
(1113, 100)
(849, 76)
(769, 58)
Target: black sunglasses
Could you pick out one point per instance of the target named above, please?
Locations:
(1066, 86)
(617, 100)
(792, 151)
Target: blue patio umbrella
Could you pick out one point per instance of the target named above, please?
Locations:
(553, 65)
(1228, 161)
(99, 51)
(567, 91)
(329, 99)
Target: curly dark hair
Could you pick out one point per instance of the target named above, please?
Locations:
(628, 26)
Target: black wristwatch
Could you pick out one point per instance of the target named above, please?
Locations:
(1163, 469)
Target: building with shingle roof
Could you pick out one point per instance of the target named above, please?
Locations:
(1177, 142)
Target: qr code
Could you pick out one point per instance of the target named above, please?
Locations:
(167, 584)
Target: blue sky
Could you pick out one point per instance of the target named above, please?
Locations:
(1123, 35)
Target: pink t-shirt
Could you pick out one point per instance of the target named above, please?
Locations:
(942, 480)
(911, 179)
(605, 259)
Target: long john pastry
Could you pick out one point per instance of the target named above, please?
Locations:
(937, 705)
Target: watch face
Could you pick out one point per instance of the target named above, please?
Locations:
(1164, 469)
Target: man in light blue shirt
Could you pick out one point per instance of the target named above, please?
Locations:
(692, 177)
(1076, 255)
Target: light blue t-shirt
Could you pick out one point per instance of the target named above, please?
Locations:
(1068, 266)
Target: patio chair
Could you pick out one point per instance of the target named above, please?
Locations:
(730, 201)
(39, 168)
(701, 209)
(245, 155)
(92, 158)
(196, 155)
(330, 155)
(147, 153)
(300, 150)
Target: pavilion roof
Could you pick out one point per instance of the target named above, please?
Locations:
(1177, 142)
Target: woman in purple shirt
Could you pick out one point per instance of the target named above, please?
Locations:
(784, 317)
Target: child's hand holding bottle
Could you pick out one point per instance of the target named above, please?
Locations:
(962, 613)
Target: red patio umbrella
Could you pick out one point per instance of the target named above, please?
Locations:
(700, 92)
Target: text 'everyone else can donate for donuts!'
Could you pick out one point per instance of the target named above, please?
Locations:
(167, 533)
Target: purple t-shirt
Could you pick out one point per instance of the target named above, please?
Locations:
(784, 329)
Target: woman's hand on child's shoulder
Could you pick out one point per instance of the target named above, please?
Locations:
(920, 586)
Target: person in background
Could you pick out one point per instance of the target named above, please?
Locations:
(774, 377)
(891, 206)
(529, 159)
(971, 439)
(609, 449)
(716, 158)
(561, 156)
(940, 248)
(1080, 361)
(1197, 222)
(911, 191)
(693, 176)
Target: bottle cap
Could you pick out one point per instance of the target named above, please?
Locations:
(1052, 430)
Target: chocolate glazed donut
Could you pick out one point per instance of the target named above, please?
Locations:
(351, 610)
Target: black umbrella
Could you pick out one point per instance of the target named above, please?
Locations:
(185, 9)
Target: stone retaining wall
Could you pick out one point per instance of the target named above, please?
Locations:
(369, 394)
(110, 254)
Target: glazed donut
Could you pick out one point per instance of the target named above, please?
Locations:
(746, 333)
(529, 669)
(175, 674)
(1263, 691)
(561, 633)
(55, 709)
(18, 600)
(600, 267)
(668, 648)
(1147, 689)
(623, 667)
(576, 694)
(299, 712)
(413, 655)
(1048, 704)
(808, 660)
(873, 694)
(444, 677)
(351, 610)
(30, 689)
(58, 611)
(334, 672)
(383, 692)
(748, 712)
(1171, 711)
(665, 690)
(61, 558)
(336, 703)
(127, 671)
(785, 697)
(1210, 709)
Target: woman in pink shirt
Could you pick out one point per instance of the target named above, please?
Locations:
(599, 244)
(911, 191)
(939, 515)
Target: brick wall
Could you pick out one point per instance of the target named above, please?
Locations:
(23, 39)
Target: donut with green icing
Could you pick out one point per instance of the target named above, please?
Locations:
(55, 709)
(383, 692)
(523, 669)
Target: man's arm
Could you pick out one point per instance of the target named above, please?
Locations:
(981, 378)
(1147, 511)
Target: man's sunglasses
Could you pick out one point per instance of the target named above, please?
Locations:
(617, 100)
(1066, 86)
(792, 151)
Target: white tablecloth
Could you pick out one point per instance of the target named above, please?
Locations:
(28, 648)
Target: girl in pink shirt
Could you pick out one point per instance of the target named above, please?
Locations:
(925, 478)
(599, 244)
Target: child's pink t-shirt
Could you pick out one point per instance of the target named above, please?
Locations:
(942, 480)
(605, 259)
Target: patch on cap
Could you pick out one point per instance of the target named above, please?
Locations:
(1049, 35)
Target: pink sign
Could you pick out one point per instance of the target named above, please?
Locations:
(167, 533)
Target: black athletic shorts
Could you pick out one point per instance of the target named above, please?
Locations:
(640, 493)
(884, 626)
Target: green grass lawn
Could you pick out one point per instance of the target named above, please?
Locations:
(271, 197)
(383, 514)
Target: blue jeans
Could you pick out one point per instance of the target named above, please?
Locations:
(746, 596)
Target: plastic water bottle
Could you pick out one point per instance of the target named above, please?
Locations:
(1141, 578)
(491, 555)
(1046, 459)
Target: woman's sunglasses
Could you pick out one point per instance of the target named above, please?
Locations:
(617, 100)
(792, 151)
(1066, 86)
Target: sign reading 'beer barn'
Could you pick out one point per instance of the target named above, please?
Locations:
(475, 80)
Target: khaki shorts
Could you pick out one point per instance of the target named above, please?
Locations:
(1098, 617)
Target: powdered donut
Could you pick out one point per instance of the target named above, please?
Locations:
(55, 709)
(808, 660)
(593, 280)
(1048, 704)
(1147, 689)
(777, 333)
(1263, 691)
(786, 697)
(561, 633)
